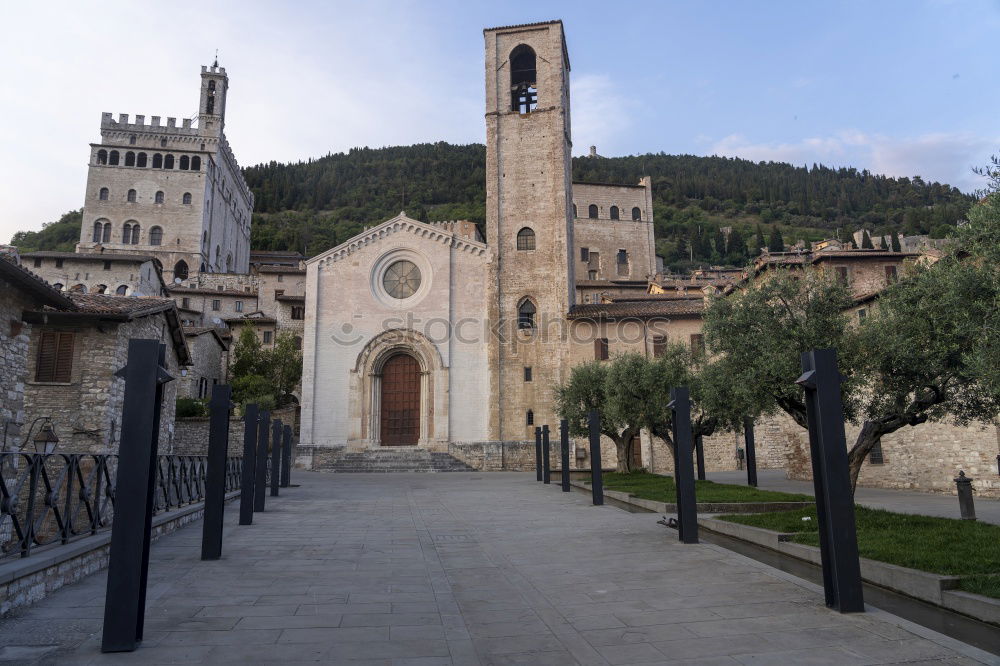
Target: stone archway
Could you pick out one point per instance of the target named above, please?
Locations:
(426, 389)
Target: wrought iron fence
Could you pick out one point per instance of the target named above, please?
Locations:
(52, 499)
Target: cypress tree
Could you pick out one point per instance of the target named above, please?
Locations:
(895, 243)
(882, 245)
(866, 241)
(777, 243)
(759, 242)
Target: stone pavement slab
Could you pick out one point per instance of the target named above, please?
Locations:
(891, 499)
(463, 568)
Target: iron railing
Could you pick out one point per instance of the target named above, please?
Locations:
(52, 499)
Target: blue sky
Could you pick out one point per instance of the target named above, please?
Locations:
(897, 87)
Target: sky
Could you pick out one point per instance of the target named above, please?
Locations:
(897, 87)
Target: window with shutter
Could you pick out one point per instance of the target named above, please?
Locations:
(55, 357)
(659, 345)
(601, 349)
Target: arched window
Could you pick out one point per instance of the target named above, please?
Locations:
(163, 143)
(524, 94)
(636, 214)
(614, 212)
(210, 101)
(186, 199)
(127, 234)
(526, 239)
(229, 263)
(130, 158)
(156, 236)
(140, 160)
(131, 140)
(122, 290)
(135, 232)
(195, 163)
(181, 270)
(526, 314)
(157, 161)
(102, 156)
(103, 194)
(106, 236)
(113, 158)
(98, 229)
(101, 289)
(78, 289)
(574, 210)
(592, 211)
(168, 162)
(204, 269)
(159, 197)
(185, 161)
(130, 197)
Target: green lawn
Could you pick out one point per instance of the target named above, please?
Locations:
(662, 489)
(944, 546)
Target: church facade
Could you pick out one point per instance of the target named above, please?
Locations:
(426, 334)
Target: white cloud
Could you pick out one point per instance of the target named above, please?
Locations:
(944, 157)
(602, 113)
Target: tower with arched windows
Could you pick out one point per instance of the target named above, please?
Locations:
(170, 190)
(528, 214)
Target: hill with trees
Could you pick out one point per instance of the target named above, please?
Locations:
(706, 209)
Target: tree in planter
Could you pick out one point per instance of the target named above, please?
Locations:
(918, 353)
(588, 388)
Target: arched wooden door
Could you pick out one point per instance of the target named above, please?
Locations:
(400, 406)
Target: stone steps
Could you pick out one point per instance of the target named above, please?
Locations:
(393, 460)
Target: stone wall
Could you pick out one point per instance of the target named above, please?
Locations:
(139, 278)
(208, 362)
(86, 411)
(14, 341)
(498, 456)
(191, 434)
(927, 457)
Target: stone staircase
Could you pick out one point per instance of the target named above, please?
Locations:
(395, 459)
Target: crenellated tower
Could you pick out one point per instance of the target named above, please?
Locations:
(528, 220)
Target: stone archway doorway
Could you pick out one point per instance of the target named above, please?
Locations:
(400, 401)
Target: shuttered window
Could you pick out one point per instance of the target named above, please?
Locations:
(659, 345)
(601, 349)
(55, 357)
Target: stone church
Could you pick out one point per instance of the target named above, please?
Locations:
(425, 334)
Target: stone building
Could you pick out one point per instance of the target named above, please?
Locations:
(209, 362)
(73, 355)
(169, 191)
(100, 273)
(424, 335)
(20, 291)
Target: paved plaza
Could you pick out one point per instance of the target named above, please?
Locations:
(463, 568)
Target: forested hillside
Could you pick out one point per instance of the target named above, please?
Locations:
(311, 206)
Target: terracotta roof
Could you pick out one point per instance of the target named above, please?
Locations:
(109, 256)
(639, 309)
(126, 306)
(24, 279)
(620, 284)
(193, 332)
(199, 290)
(861, 254)
(276, 253)
(675, 296)
(271, 268)
(250, 320)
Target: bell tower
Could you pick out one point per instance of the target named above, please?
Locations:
(212, 106)
(528, 220)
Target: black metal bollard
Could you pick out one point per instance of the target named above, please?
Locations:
(687, 508)
(260, 474)
(546, 462)
(838, 539)
(751, 447)
(276, 430)
(286, 457)
(564, 453)
(699, 448)
(249, 467)
(596, 473)
(128, 558)
(538, 453)
(215, 483)
(966, 505)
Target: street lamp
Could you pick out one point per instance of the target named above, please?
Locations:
(46, 440)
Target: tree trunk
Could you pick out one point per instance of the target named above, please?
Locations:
(870, 435)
